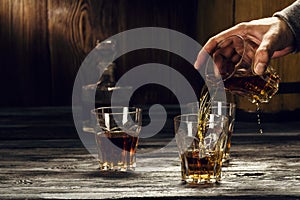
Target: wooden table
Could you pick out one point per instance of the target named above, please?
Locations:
(263, 166)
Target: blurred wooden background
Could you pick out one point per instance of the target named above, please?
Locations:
(43, 43)
(220, 15)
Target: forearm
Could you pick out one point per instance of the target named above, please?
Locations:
(291, 15)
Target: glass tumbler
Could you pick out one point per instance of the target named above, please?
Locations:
(233, 61)
(117, 131)
(201, 147)
(227, 109)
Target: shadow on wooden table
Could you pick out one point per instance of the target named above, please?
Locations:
(111, 174)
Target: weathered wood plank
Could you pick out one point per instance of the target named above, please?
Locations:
(57, 123)
(262, 167)
(213, 16)
(25, 68)
(69, 41)
(43, 43)
(37, 123)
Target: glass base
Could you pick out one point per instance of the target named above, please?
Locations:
(117, 167)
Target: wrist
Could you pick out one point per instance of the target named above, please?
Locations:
(286, 30)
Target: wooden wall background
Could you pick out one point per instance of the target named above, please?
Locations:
(287, 67)
(225, 13)
(43, 42)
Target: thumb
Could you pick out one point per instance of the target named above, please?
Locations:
(263, 54)
(261, 60)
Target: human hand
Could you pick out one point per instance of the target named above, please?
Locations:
(272, 36)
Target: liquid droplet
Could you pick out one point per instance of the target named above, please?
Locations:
(258, 112)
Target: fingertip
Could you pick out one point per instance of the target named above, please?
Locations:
(201, 58)
(262, 58)
(259, 68)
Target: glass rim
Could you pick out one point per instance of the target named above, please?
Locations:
(131, 110)
(224, 104)
(219, 46)
(178, 118)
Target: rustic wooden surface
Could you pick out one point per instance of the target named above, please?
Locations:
(263, 166)
(43, 43)
(212, 17)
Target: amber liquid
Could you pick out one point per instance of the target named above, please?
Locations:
(228, 145)
(256, 88)
(116, 150)
(204, 169)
